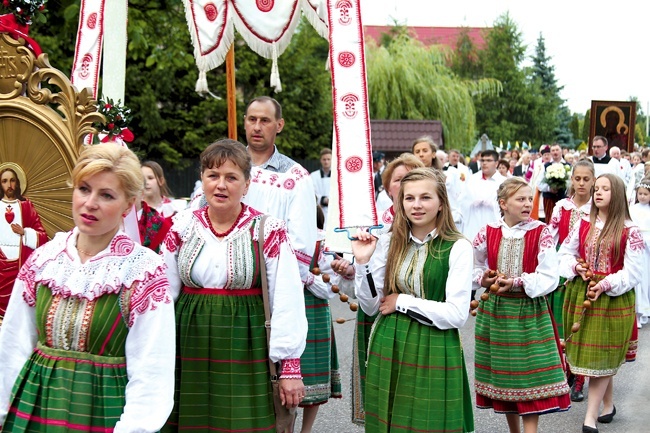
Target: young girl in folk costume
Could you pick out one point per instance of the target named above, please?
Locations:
(607, 249)
(640, 213)
(566, 214)
(519, 369)
(391, 180)
(418, 278)
(319, 361)
(156, 191)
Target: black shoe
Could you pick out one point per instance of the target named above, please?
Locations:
(587, 429)
(576, 392)
(606, 419)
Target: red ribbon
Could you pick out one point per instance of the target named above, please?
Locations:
(124, 135)
(8, 24)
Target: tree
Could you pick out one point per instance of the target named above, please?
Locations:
(553, 116)
(507, 115)
(465, 62)
(407, 80)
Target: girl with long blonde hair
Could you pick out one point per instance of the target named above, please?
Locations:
(417, 277)
(603, 259)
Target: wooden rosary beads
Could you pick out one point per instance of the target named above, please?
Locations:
(335, 288)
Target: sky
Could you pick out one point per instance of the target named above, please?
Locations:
(600, 49)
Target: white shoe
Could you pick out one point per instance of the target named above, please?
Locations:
(643, 320)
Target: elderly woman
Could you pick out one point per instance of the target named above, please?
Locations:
(88, 340)
(213, 268)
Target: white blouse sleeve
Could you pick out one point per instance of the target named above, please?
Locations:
(545, 279)
(480, 258)
(18, 337)
(286, 298)
(568, 253)
(453, 312)
(633, 262)
(373, 273)
(150, 357)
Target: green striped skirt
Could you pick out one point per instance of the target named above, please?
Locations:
(222, 373)
(599, 347)
(319, 362)
(359, 355)
(517, 355)
(556, 301)
(62, 391)
(416, 379)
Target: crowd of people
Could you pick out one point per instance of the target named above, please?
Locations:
(166, 328)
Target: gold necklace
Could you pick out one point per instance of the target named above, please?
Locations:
(86, 253)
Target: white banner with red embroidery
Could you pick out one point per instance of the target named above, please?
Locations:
(88, 49)
(354, 182)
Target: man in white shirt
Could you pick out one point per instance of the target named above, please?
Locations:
(280, 186)
(321, 179)
(479, 204)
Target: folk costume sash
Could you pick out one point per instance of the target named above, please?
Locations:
(353, 149)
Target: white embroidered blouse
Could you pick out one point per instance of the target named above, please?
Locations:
(150, 344)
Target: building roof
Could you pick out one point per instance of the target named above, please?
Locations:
(396, 136)
(433, 35)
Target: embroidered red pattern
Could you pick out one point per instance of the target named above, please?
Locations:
(146, 294)
(346, 59)
(264, 5)
(291, 369)
(353, 164)
(91, 22)
(211, 12)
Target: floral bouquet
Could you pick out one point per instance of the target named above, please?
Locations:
(26, 10)
(118, 118)
(557, 175)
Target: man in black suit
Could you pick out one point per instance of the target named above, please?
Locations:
(521, 169)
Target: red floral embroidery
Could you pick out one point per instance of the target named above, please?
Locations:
(148, 293)
(291, 369)
(481, 238)
(546, 239)
(172, 241)
(636, 240)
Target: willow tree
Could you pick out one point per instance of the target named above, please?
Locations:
(409, 81)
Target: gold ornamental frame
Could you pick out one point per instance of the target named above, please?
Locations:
(43, 122)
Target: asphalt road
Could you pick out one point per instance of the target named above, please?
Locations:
(631, 391)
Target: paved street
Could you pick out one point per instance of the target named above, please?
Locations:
(631, 391)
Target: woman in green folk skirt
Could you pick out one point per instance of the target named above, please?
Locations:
(418, 277)
(88, 340)
(222, 370)
(611, 249)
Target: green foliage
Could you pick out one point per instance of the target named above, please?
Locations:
(407, 80)
(465, 62)
(507, 115)
(574, 126)
(586, 126)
